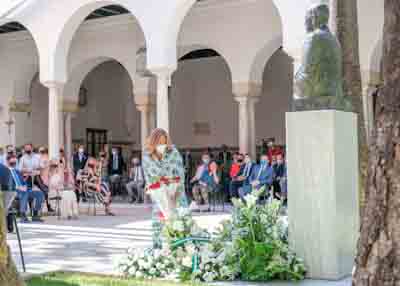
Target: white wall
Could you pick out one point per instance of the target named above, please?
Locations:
(202, 92)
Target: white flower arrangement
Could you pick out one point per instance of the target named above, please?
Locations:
(220, 259)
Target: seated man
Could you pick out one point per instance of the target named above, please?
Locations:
(135, 186)
(242, 177)
(24, 193)
(279, 170)
(262, 175)
(206, 181)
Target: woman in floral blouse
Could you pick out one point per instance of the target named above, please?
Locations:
(162, 166)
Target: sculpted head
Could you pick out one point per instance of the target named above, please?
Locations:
(309, 21)
(319, 15)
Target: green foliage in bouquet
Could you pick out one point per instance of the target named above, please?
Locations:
(258, 246)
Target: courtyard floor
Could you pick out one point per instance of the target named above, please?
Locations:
(93, 243)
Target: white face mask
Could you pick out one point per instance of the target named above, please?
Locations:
(161, 149)
(81, 151)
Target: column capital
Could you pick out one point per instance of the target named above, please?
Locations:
(163, 72)
(144, 107)
(252, 89)
(70, 106)
(53, 84)
(247, 99)
(144, 100)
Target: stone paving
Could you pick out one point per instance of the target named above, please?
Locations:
(90, 244)
(93, 243)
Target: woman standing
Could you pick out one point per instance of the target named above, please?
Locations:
(163, 165)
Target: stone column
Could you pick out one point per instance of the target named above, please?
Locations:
(244, 124)
(252, 125)
(145, 121)
(61, 121)
(55, 92)
(145, 93)
(247, 95)
(163, 80)
(68, 137)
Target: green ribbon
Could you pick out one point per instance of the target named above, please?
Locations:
(196, 241)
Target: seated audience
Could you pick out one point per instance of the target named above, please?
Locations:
(136, 184)
(273, 150)
(24, 192)
(279, 184)
(206, 181)
(262, 175)
(242, 176)
(42, 180)
(94, 186)
(79, 160)
(116, 166)
(62, 190)
(104, 165)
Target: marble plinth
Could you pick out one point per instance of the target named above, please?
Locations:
(322, 156)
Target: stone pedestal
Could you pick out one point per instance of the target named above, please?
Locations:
(322, 156)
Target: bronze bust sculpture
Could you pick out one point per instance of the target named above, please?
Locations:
(318, 82)
(321, 71)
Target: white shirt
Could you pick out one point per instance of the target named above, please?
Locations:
(29, 162)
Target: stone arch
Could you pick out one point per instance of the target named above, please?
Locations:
(276, 97)
(110, 103)
(70, 27)
(254, 16)
(186, 50)
(202, 108)
(80, 71)
(261, 59)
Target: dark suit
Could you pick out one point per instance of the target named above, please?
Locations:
(6, 185)
(79, 162)
(264, 174)
(120, 165)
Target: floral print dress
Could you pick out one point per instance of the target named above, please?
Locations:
(170, 166)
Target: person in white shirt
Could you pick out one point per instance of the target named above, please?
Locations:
(136, 185)
(29, 164)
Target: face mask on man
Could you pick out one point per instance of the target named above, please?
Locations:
(161, 149)
(263, 162)
(28, 152)
(12, 164)
(81, 150)
(206, 161)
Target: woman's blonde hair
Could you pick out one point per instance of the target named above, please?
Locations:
(154, 139)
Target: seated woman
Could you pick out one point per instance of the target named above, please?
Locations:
(94, 186)
(207, 182)
(62, 190)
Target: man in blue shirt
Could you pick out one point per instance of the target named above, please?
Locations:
(24, 194)
(262, 175)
